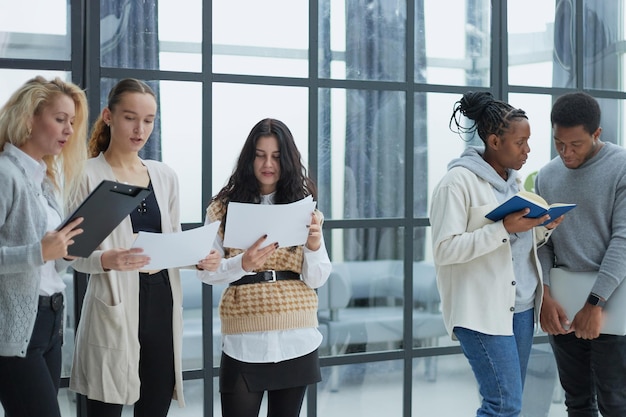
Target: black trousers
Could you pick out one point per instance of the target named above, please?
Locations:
(593, 374)
(29, 386)
(156, 361)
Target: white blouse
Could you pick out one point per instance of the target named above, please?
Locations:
(278, 345)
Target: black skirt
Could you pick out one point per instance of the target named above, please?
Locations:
(259, 377)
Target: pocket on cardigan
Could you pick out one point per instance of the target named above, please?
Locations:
(107, 325)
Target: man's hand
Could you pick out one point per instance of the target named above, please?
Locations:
(553, 319)
(588, 322)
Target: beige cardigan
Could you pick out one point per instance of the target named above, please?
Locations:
(106, 357)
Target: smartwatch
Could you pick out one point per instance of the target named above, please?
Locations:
(595, 300)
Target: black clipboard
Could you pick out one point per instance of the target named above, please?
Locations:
(103, 210)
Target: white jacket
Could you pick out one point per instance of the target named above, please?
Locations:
(106, 357)
(473, 256)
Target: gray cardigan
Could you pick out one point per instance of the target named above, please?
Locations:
(22, 226)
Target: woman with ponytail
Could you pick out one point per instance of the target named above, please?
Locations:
(128, 344)
(488, 273)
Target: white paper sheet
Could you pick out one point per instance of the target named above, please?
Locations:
(286, 224)
(171, 250)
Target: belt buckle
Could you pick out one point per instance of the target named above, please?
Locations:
(56, 301)
(273, 274)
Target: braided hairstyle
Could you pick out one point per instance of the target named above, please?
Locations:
(489, 116)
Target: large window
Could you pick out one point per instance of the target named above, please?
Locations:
(368, 88)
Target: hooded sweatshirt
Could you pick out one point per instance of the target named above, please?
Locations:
(521, 243)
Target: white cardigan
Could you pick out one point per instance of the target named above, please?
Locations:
(106, 357)
(473, 256)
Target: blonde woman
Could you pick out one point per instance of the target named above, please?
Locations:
(42, 139)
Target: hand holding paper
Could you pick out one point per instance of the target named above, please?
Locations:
(172, 250)
(286, 224)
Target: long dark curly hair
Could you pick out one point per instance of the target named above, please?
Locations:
(293, 184)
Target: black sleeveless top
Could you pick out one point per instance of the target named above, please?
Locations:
(147, 216)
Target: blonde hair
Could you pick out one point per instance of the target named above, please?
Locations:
(101, 133)
(16, 117)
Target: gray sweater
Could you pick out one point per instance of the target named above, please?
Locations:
(22, 226)
(593, 235)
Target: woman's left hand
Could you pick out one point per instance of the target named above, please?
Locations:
(211, 262)
(314, 241)
(555, 223)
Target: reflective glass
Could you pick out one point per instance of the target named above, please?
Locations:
(269, 37)
(180, 35)
(541, 43)
(35, 29)
(192, 320)
(435, 145)
(362, 40)
(194, 401)
(428, 326)
(238, 107)
(12, 79)
(149, 36)
(360, 306)
(453, 42)
(604, 38)
(361, 153)
(181, 146)
(362, 389)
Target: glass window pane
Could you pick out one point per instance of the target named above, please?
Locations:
(541, 46)
(180, 50)
(194, 401)
(181, 146)
(362, 389)
(12, 79)
(360, 306)
(140, 34)
(35, 29)
(362, 40)
(128, 35)
(239, 107)
(435, 145)
(361, 153)
(453, 42)
(604, 39)
(269, 37)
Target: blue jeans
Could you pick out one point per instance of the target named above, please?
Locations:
(592, 373)
(499, 364)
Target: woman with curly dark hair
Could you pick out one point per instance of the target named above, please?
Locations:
(488, 273)
(269, 310)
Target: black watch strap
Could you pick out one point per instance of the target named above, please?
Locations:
(596, 300)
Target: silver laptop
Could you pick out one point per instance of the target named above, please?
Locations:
(571, 289)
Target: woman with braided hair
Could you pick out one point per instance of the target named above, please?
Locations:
(488, 273)
(269, 329)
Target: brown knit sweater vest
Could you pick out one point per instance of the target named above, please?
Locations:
(280, 305)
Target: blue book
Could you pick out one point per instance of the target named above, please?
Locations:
(537, 205)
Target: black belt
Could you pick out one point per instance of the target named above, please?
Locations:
(54, 301)
(266, 276)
